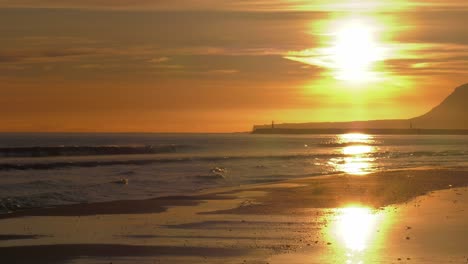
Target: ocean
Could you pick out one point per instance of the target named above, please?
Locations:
(46, 169)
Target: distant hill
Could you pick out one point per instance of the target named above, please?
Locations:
(452, 113)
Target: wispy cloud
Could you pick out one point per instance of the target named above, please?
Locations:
(244, 5)
(26, 56)
(159, 60)
(12, 67)
(403, 59)
(223, 71)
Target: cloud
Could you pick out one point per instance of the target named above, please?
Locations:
(168, 66)
(159, 60)
(218, 43)
(12, 67)
(35, 56)
(223, 71)
(43, 55)
(96, 66)
(403, 59)
(9, 58)
(239, 5)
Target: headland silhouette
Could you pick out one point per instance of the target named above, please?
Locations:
(448, 118)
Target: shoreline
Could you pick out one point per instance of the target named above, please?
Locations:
(294, 220)
(368, 131)
(458, 178)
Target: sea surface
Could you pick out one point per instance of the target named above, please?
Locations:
(45, 169)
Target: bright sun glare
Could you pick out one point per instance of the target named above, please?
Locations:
(357, 229)
(357, 161)
(355, 137)
(354, 52)
(352, 49)
(355, 226)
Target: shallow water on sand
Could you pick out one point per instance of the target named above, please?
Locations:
(428, 229)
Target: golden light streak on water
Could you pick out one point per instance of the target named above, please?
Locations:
(358, 152)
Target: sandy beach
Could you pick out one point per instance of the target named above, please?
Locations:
(413, 216)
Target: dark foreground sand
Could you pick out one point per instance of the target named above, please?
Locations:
(417, 216)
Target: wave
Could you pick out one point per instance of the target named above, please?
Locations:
(70, 164)
(11, 204)
(5, 166)
(86, 150)
(97, 163)
(346, 144)
(209, 177)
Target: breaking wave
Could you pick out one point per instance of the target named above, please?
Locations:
(86, 150)
(5, 165)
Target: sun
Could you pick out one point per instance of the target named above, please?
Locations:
(354, 51)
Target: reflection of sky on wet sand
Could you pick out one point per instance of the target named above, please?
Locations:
(354, 226)
(357, 150)
(356, 232)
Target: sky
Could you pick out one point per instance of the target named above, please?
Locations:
(224, 65)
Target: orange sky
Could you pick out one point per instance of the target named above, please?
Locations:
(222, 66)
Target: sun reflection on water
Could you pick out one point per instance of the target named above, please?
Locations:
(356, 166)
(355, 137)
(358, 151)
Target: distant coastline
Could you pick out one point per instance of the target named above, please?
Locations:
(375, 131)
(448, 118)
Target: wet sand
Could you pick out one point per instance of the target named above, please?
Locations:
(416, 216)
